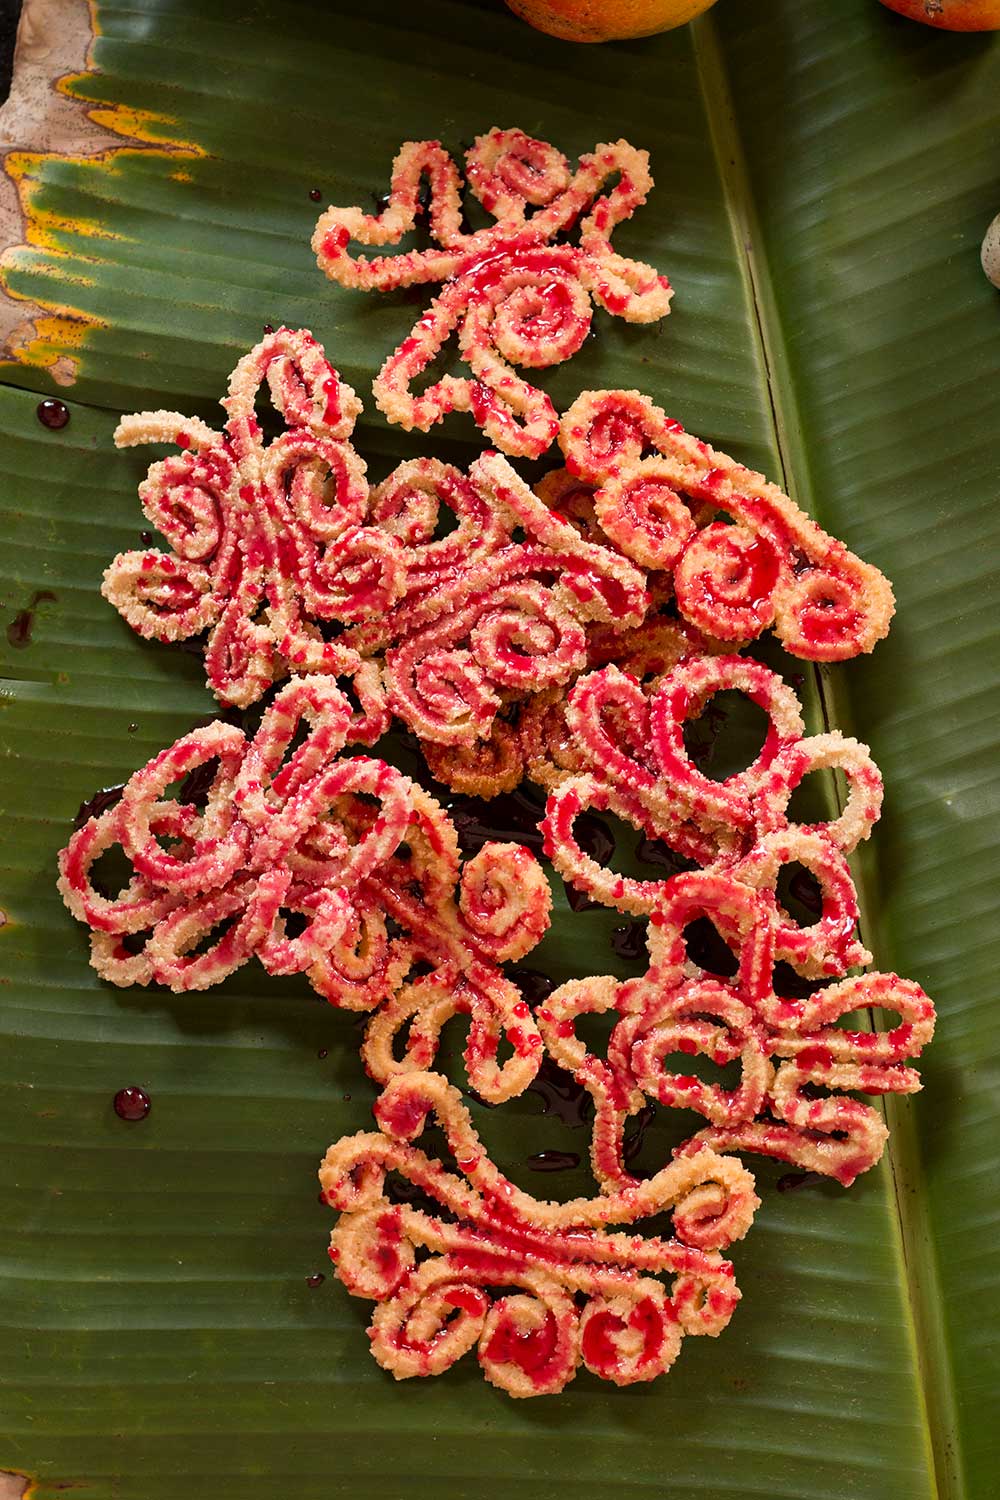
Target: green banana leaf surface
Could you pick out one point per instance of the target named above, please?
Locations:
(824, 174)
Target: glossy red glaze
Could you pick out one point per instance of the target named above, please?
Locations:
(468, 1298)
(531, 1351)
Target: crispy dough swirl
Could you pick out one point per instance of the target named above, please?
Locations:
(509, 294)
(767, 565)
(286, 830)
(485, 1232)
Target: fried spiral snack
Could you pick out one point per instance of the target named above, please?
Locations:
(510, 294)
(801, 1058)
(633, 761)
(489, 1233)
(290, 564)
(487, 621)
(783, 1045)
(630, 748)
(289, 831)
(655, 491)
(569, 633)
(267, 539)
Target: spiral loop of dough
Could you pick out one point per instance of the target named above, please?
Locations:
(766, 564)
(278, 828)
(789, 1048)
(545, 1256)
(725, 581)
(631, 1336)
(530, 1340)
(483, 769)
(511, 293)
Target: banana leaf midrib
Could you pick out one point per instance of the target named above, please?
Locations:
(916, 1256)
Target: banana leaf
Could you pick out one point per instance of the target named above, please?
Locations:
(824, 173)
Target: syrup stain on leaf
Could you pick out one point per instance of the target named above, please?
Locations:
(20, 628)
(97, 804)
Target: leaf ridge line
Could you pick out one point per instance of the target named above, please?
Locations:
(914, 1246)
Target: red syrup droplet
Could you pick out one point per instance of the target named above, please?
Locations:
(52, 413)
(315, 194)
(317, 1279)
(268, 328)
(132, 1103)
(323, 1052)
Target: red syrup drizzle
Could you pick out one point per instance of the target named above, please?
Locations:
(20, 628)
(52, 413)
(402, 1116)
(828, 623)
(517, 254)
(760, 561)
(132, 1103)
(467, 1298)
